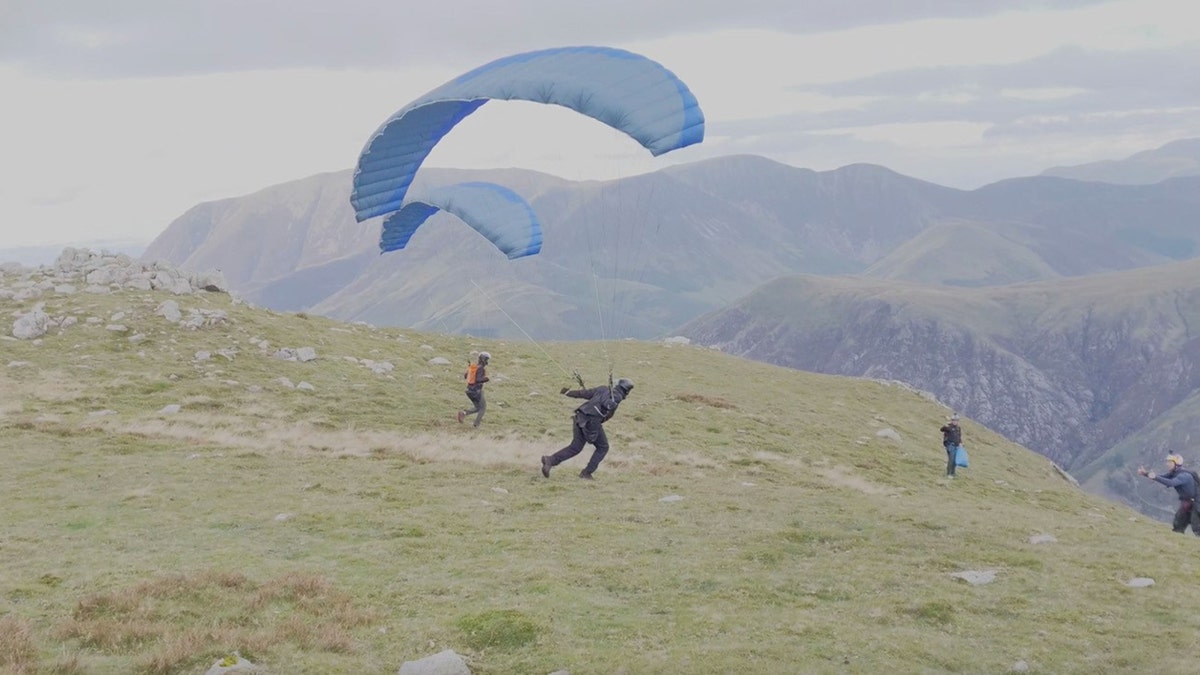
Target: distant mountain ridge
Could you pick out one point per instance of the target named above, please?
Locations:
(662, 248)
(1173, 160)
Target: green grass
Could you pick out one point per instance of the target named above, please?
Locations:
(356, 526)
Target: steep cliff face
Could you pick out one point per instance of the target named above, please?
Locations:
(966, 370)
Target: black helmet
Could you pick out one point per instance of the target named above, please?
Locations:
(625, 385)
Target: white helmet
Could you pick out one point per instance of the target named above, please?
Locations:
(485, 357)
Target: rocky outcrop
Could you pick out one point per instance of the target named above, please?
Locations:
(102, 273)
(110, 271)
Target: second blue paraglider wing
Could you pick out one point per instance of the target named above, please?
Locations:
(626, 91)
(494, 211)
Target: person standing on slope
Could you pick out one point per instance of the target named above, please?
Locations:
(476, 375)
(951, 439)
(588, 426)
(1185, 483)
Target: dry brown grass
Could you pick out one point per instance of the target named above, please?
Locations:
(176, 653)
(846, 477)
(180, 620)
(56, 385)
(17, 651)
(67, 665)
(481, 448)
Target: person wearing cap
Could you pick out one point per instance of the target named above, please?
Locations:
(588, 425)
(1185, 483)
(951, 439)
(476, 375)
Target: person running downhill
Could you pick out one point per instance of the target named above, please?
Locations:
(476, 375)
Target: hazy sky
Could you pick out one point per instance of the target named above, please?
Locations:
(119, 115)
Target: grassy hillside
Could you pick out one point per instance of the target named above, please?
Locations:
(356, 525)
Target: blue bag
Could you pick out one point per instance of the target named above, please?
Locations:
(960, 456)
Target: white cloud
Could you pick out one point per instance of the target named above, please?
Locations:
(924, 135)
(147, 149)
(86, 159)
(744, 68)
(948, 97)
(86, 38)
(1042, 93)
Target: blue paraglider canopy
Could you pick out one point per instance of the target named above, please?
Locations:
(626, 91)
(492, 210)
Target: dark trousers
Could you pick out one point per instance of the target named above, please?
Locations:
(587, 430)
(1185, 515)
(950, 465)
(476, 397)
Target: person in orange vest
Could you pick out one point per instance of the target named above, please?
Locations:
(476, 375)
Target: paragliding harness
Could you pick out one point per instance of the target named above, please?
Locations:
(590, 417)
(1187, 507)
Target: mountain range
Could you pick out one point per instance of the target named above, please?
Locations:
(648, 253)
(1175, 159)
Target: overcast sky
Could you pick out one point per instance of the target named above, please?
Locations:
(119, 115)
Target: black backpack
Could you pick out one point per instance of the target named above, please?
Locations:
(1195, 481)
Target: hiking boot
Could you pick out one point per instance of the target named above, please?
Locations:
(546, 464)
(584, 474)
(462, 415)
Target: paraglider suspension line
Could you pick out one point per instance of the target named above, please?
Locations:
(600, 314)
(514, 322)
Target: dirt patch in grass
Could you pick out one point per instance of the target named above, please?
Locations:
(280, 437)
(845, 477)
(703, 399)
